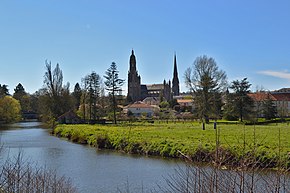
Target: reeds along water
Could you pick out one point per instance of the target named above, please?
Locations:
(18, 175)
(221, 176)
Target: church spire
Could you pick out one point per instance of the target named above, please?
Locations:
(134, 80)
(175, 81)
(132, 62)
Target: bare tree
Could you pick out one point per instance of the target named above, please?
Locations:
(53, 79)
(206, 82)
(53, 85)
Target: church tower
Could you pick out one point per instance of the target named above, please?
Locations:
(134, 81)
(175, 81)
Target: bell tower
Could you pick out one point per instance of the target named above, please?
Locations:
(134, 81)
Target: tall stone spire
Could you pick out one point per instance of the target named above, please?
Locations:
(175, 80)
(134, 81)
(132, 62)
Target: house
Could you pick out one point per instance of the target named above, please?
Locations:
(185, 102)
(139, 108)
(282, 102)
(69, 117)
(280, 99)
(151, 101)
(259, 98)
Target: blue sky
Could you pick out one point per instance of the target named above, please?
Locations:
(249, 38)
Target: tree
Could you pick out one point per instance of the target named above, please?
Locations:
(164, 105)
(56, 99)
(9, 109)
(3, 90)
(23, 97)
(239, 103)
(113, 85)
(53, 82)
(206, 82)
(269, 109)
(92, 92)
(77, 93)
(53, 79)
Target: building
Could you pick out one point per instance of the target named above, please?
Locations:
(134, 81)
(280, 99)
(151, 100)
(282, 102)
(138, 91)
(175, 80)
(138, 109)
(259, 98)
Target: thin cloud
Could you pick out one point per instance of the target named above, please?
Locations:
(277, 74)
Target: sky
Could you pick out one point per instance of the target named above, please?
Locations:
(248, 39)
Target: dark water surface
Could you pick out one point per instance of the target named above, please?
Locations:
(90, 170)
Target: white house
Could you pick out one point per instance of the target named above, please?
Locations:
(138, 108)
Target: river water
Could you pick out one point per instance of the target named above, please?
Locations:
(89, 169)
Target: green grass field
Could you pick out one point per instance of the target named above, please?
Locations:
(266, 142)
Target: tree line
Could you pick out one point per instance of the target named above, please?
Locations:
(88, 99)
(215, 98)
(92, 98)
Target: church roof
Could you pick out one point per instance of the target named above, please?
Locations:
(154, 86)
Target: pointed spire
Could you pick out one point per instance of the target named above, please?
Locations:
(175, 74)
(132, 62)
(175, 80)
(134, 80)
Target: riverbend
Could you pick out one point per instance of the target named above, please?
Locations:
(90, 170)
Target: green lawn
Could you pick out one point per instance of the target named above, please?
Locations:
(169, 139)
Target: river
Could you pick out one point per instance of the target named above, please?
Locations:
(90, 170)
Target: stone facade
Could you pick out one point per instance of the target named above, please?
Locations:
(134, 81)
(175, 80)
(138, 91)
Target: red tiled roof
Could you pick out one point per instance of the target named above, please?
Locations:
(281, 96)
(260, 96)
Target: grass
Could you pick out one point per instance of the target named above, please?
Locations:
(177, 139)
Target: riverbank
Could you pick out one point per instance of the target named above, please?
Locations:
(265, 146)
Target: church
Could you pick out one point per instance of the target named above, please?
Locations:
(139, 92)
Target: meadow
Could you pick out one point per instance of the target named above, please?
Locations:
(233, 144)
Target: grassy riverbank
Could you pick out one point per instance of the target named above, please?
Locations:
(264, 145)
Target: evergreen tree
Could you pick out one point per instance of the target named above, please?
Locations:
(3, 90)
(93, 88)
(113, 85)
(239, 103)
(77, 93)
(268, 108)
(23, 97)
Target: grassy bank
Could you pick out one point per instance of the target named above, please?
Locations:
(262, 145)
